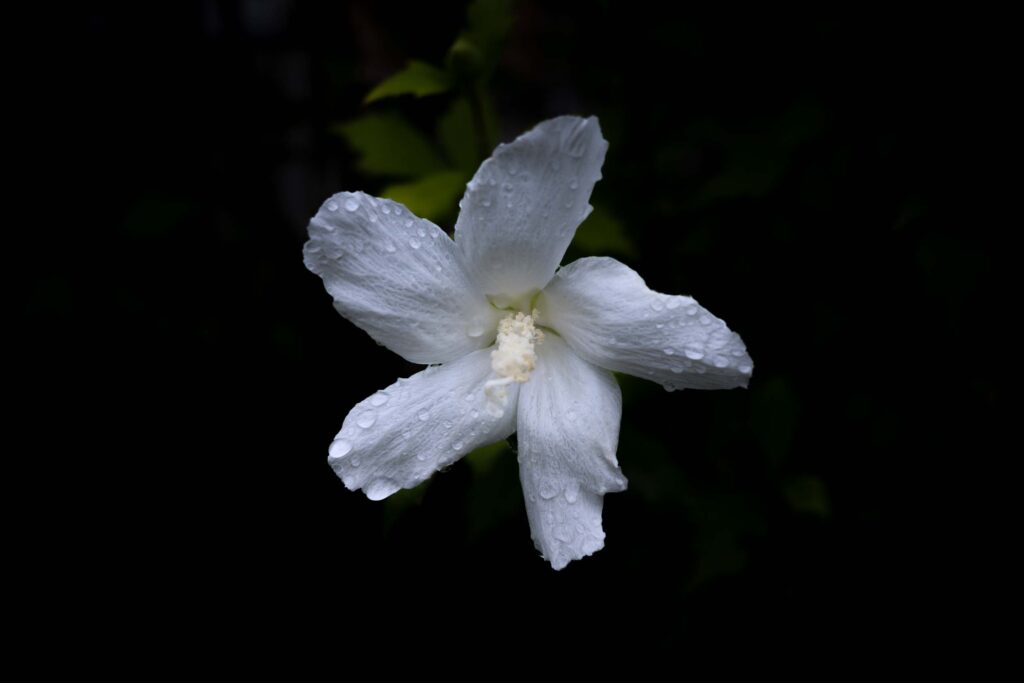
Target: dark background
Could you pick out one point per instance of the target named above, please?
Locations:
(792, 174)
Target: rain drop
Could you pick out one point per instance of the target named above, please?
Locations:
(705, 320)
(573, 184)
(692, 310)
(486, 202)
(340, 448)
(385, 209)
(379, 399)
(457, 445)
(693, 354)
(421, 231)
(474, 413)
(720, 361)
(390, 248)
(424, 415)
(366, 420)
(332, 206)
(657, 305)
(673, 304)
(414, 243)
(351, 204)
(572, 491)
(668, 351)
(547, 490)
(746, 369)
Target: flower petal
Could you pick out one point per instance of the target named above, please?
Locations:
(607, 314)
(398, 277)
(569, 416)
(524, 204)
(400, 436)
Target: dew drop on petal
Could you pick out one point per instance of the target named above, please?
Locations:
(573, 184)
(668, 351)
(351, 204)
(366, 420)
(424, 415)
(385, 209)
(379, 399)
(547, 490)
(572, 491)
(340, 448)
(720, 361)
(414, 243)
(705, 320)
(692, 310)
(332, 206)
(421, 232)
(457, 445)
(390, 248)
(673, 303)
(693, 354)
(657, 305)
(746, 368)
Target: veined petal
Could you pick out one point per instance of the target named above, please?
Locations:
(569, 416)
(607, 314)
(398, 277)
(524, 204)
(400, 436)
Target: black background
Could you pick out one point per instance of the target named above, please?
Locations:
(198, 371)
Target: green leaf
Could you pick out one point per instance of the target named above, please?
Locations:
(417, 78)
(475, 53)
(457, 134)
(390, 147)
(602, 233)
(433, 197)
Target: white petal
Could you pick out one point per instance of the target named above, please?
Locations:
(400, 436)
(609, 316)
(569, 416)
(398, 277)
(523, 206)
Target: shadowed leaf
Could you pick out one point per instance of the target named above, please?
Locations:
(417, 78)
(389, 146)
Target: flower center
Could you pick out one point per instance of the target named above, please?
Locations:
(513, 358)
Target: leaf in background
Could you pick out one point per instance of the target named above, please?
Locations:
(476, 51)
(417, 78)
(601, 234)
(455, 131)
(390, 146)
(808, 495)
(432, 197)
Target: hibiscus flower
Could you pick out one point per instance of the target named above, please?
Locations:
(511, 342)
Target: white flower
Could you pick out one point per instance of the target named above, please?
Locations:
(512, 346)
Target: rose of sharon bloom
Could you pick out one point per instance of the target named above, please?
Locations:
(513, 343)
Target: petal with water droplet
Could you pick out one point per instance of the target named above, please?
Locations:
(414, 300)
(566, 466)
(423, 426)
(594, 300)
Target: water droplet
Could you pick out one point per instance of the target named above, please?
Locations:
(340, 448)
(668, 351)
(676, 369)
(673, 303)
(366, 420)
(468, 398)
(486, 202)
(475, 330)
(507, 187)
(424, 415)
(705, 320)
(408, 224)
(693, 354)
(746, 368)
(568, 204)
(572, 491)
(457, 445)
(659, 326)
(547, 490)
(390, 248)
(720, 361)
(332, 206)
(385, 209)
(692, 310)
(354, 461)
(437, 267)
(447, 424)
(573, 184)
(474, 413)
(421, 455)
(492, 182)
(414, 243)
(668, 387)
(351, 204)
(379, 399)
(421, 232)
(571, 415)
(657, 305)
(563, 533)
(738, 353)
